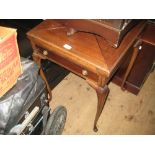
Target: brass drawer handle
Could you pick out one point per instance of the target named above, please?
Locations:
(45, 53)
(84, 72)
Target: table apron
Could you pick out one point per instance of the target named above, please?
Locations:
(75, 68)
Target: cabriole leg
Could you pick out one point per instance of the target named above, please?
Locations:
(102, 93)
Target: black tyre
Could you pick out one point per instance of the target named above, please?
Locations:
(56, 121)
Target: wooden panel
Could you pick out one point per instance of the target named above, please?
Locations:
(140, 70)
(112, 30)
(149, 34)
(70, 65)
(143, 64)
(85, 46)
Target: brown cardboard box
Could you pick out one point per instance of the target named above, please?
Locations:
(10, 66)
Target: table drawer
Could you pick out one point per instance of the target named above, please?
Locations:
(75, 68)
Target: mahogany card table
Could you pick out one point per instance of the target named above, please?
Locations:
(85, 54)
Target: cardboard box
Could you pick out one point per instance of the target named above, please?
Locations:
(10, 66)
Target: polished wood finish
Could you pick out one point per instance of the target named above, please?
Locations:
(112, 30)
(136, 49)
(37, 58)
(77, 69)
(85, 54)
(102, 93)
(148, 35)
(142, 65)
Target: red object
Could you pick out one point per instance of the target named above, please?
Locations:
(10, 67)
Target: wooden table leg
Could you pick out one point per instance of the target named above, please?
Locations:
(131, 63)
(102, 93)
(37, 58)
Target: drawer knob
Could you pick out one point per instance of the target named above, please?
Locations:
(84, 72)
(45, 52)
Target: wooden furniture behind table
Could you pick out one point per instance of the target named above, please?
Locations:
(85, 54)
(143, 65)
(112, 30)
